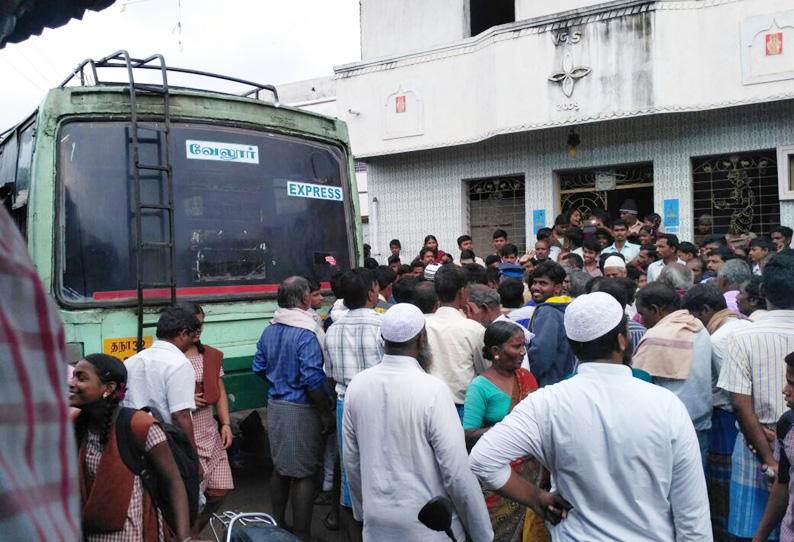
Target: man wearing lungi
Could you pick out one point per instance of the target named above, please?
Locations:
(753, 371)
(290, 357)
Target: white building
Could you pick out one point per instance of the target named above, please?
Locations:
(462, 111)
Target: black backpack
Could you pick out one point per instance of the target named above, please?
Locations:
(185, 457)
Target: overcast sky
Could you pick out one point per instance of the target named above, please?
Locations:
(259, 40)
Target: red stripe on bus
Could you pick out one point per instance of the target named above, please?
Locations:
(202, 290)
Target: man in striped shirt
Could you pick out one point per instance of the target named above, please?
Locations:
(753, 372)
(354, 343)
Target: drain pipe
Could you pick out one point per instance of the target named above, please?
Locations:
(373, 228)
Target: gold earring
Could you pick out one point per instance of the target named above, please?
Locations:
(105, 395)
(496, 357)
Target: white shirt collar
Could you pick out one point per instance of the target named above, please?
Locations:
(166, 345)
(596, 367)
(401, 360)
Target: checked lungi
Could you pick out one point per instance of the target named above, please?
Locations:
(748, 493)
(718, 470)
(296, 442)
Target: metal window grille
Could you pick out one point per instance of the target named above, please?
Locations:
(497, 203)
(736, 194)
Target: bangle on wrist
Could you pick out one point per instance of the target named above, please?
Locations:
(227, 424)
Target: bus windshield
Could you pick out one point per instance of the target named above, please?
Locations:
(250, 209)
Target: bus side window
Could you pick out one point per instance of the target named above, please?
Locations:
(8, 169)
(19, 209)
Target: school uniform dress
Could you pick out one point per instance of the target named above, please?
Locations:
(212, 455)
(134, 528)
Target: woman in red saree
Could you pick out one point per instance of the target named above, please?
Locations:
(490, 397)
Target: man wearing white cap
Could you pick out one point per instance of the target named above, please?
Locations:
(623, 453)
(404, 443)
(614, 268)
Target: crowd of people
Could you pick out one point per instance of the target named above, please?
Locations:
(611, 383)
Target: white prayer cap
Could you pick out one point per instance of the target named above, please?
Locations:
(402, 322)
(430, 271)
(615, 261)
(591, 316)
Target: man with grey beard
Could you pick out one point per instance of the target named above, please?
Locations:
(404, 444)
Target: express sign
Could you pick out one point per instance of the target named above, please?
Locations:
(314, 191)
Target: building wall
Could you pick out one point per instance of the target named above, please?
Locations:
(423, 192)
(528, 9)
(647, 58)
(389, 27)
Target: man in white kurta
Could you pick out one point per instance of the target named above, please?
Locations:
(404, 444)
(622, 452)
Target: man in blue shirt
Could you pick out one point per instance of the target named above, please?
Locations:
(289, 356)
(620, 229)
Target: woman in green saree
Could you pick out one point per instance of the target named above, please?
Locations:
(490, 397)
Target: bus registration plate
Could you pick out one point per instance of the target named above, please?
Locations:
(124, 347)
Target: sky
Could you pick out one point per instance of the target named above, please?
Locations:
(258, 40)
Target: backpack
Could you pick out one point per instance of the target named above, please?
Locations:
(185, 457)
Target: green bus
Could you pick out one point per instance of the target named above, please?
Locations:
(134, 195)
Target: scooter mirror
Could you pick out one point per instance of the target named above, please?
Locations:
(437, 515)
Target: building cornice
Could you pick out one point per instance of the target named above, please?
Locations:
(585, 120)
(538, 25)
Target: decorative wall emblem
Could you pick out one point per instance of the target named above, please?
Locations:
(569, 74)
(765, 57)
(400, 104)
(403, 109)
(774, 44)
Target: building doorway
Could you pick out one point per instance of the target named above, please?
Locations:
(607, 188)
(497, 203)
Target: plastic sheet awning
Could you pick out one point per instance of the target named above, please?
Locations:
(21, 19)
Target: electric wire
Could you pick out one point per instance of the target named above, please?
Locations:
(22, 74)
(32, 65)
(55, 70)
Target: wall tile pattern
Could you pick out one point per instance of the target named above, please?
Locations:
(424, 192)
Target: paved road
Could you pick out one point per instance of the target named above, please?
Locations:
(252, 493)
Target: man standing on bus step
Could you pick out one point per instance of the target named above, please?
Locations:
(159, 377)
(354, 344)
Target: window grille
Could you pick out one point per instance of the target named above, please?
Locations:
(736, 193)
(497, 203)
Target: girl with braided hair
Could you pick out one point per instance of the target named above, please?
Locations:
(115, 507)
(212, 440)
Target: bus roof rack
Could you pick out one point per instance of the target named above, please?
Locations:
(122, 59)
